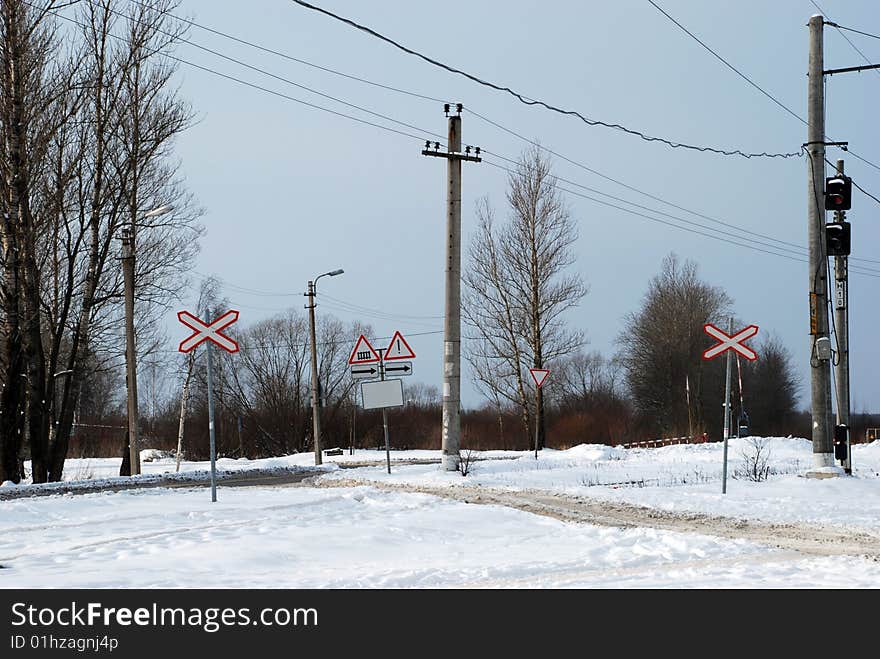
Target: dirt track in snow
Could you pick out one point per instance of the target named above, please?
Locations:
(803, 539)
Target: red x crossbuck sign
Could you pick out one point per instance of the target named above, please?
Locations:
(209, 332)
(732, 342)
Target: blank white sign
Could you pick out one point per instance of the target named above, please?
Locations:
(388, 393)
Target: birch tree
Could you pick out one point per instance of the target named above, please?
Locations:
(518, 287)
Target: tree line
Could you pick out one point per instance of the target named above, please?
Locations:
(88, 116)
(518, 286)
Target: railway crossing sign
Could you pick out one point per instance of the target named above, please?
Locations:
(539, 375)
(210, 332)
(730, 342)
(363, 352)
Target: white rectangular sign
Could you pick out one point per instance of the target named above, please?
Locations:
(387, 393)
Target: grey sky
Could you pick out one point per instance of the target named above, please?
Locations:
(292, 191)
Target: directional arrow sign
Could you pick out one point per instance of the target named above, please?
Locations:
(364, 372)
(400, 368)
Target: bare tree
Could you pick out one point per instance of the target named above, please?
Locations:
(662, 345)
(770, 388)
(32, 109)
(129, 117)
(517, 289)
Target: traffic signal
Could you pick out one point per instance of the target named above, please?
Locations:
(838, 193)
(840, 432)
(837, 238)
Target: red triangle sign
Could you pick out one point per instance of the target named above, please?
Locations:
(363, 352)
(539, 375)
(398, 349)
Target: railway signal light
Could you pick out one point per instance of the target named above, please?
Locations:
(838, 193)
(840, 433)
(837, 238)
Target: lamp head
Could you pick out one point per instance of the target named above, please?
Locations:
(161, 210)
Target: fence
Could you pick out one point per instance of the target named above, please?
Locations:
(669, 441)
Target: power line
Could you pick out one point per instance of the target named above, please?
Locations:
(269, 346)
(387, 317)
(795, 248)
(529, 101)
(840, 30)
(260, 70)
(729, 65)
(295, 59)
(864, 271)
(849, 29)
(625, 185)
(272, 75)
(867, 193)
(335, 303)
(754, 84)
(486, 119)
(267, 90)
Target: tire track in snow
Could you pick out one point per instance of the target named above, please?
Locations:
(805, 539)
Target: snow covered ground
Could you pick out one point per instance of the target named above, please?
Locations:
(369, 536)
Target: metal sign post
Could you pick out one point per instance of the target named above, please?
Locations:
(385, 413)
(733, 343)
(211, 333)
(539, 375)
(211, 427)
(382, 393)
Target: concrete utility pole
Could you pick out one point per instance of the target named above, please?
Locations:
(316, 416)
(820, 357)
(841, 324)
(130, 355)
(451, 432)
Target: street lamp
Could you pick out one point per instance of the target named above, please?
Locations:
(316, 419)
(128, 249)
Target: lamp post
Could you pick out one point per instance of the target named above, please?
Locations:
(128, 249)
(316, 419)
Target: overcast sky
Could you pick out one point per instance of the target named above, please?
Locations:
(292, 191)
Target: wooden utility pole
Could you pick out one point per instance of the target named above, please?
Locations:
(820, 357)
(130, 355)
(451, 428)
(841, 324)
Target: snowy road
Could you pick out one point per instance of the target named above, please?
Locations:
(562, 521)
(801, 538)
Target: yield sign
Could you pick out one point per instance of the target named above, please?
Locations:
(209, 332)
(539, 375)
(398, 349)
(733, 342)
(363, 352)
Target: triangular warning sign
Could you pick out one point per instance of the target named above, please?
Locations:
(398, 349)
(363, 352)
(539, 375)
